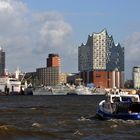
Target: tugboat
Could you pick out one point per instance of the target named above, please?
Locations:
(120, 106)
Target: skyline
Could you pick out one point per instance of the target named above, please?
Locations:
(61, 26)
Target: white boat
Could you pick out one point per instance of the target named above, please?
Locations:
(10, 85)
(66, 89)
(120, 106)
(82, 90)
(42, 91)
(47, 90)
(98, 91)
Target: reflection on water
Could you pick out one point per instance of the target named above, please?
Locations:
(59, 118)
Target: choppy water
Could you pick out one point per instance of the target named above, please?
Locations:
(60, 118)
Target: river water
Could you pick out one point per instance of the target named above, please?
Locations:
(60, 118)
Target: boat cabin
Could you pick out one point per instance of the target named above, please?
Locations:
(123, 98)
(123, 103)
(120, 106)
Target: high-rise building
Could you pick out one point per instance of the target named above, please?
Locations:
(53, 60)
(136, 77)
(101, 61)
(2, 62)
(49, 75)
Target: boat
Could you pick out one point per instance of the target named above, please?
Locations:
(48, 90)
(42, 90)
(119, 106)
(62, 89)
(82, 90)
(10, 86)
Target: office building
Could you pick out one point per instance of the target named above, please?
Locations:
(49, 75)
(101, 61)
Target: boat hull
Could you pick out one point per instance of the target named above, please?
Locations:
(123, 116)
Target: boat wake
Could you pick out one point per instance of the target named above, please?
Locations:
(121, 121)
(116, 121)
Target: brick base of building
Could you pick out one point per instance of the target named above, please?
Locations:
(104, 79)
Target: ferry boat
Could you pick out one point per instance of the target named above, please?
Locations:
(10, 86)
(120, 106)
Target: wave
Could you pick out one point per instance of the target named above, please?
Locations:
(14, 132)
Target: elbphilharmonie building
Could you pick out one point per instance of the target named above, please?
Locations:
(101, 61)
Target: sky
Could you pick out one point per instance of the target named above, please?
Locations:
(31, 29)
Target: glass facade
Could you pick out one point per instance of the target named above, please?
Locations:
(100, 53)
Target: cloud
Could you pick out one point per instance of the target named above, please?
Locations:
(11, 7)
(132, 53)
(55, 32)
(28, 38)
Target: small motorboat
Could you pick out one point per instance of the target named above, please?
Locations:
(120, 106)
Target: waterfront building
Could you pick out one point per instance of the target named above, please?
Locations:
(53, 69)
(2, 62)
(101, 61)
(136, 77)
(48, 76)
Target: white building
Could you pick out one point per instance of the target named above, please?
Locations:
(136, 77)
